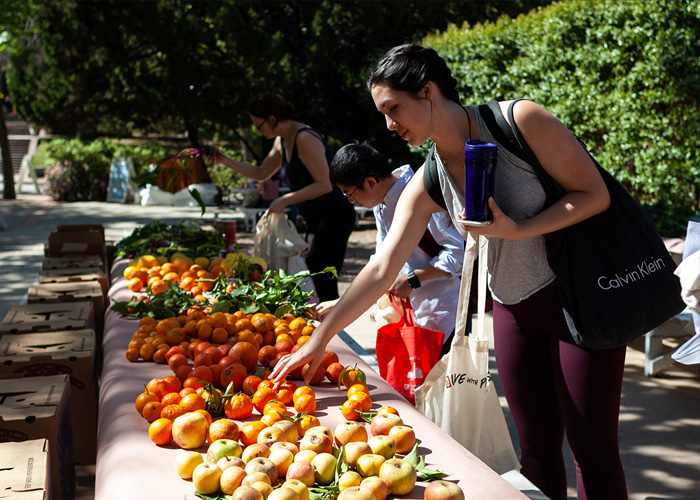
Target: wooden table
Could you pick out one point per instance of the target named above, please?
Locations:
(130, 466)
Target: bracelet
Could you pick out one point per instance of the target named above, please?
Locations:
(413, 280)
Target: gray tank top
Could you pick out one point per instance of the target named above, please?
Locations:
(517, 269)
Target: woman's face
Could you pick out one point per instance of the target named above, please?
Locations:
(405, 114)
(263, 125)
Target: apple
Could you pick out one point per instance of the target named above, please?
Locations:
(246, 493)
(348, 479)
(205, 478)
(319, 429)
(284, 445)
(256, 477)
(263, 464)
(255, 450)
(283, 493)
(354, 450)
(271, 435)
(369, 465)
(443, 490)
(404, 436)
(382, 422)
(226, 462)
(324, 468)
(231, 478)
(302, 471)
(383, 445)
(289, 428)
(264, 488)
(319, 443)
(223, 448)
(356, 493)
(301, 489)
(349, 431)
(305, 455)
(399, 476)
(282, 459)
(378, 487)
(190, 430)
(223, 428)
(185, 463)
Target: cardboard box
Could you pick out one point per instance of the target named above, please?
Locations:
(25, 471)
(76, 275)
(72, 261)
(30, 318)
(87, 239)
(58, 353)
(73, 291)
(39, 408)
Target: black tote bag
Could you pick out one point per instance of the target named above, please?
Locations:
(614, 273)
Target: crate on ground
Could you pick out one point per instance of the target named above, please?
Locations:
(71, 261)
(25, 470)
(39, 408)
(32, 318)
(73, 291)
(76, 275)
(57, 353)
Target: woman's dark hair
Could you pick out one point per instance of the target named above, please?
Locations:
(408, 68)
(353, 163)
(270, 104)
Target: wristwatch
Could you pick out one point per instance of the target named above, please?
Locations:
(413, 280)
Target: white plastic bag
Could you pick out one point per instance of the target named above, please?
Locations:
(383, 312)
(458, 393)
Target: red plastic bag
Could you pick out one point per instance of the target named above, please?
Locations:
(405, 352)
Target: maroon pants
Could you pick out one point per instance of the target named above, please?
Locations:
(555, 387)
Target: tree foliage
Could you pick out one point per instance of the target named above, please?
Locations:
(624, 76)
(114, 68)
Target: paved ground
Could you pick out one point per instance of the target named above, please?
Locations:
(660, 416)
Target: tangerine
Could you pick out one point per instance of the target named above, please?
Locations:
(362, 398)
(192, 402)
(151, 410)
(303, 390)
(250, 432)
(306, 422)
(172, 411)
(305, 404)
(142, 399)
(238, 406)
(248, 353)
(350, 410)
(263, 396)
(161, 431)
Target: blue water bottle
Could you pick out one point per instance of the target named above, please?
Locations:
(480, 175)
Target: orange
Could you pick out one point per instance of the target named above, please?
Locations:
(353, 375)
(270, 418)
(250, 384)
(144, 398)
(160, 387)
(219, 335)
(174, 381)
(172, 398)
(203, 373)
(357, 387)
(305, 404)
(244, 324)
(218, 320)
(275, 406)
(238, 406)
(233, 374)
(266, 354)
(172, 411)
(132, 354)
(305, 423)
(152, 410)
(362, 398)
(250, 431)
(135, 284)
(159, 354)
(297, 324)
(263, 396)
(350, 410)
(147, 350)
(260, 322)
(193, 383)
(147, 320)
(247, 352)
(206, 415)
(303, 390)
(161, 431)
(223, 428)
(285, 395)
(388, 409)
(192, 402)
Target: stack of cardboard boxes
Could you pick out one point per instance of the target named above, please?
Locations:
(49, 364)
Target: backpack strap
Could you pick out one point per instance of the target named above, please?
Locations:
(430, 179)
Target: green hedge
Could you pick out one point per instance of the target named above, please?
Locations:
(624, 76)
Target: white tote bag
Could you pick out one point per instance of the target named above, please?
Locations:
(458, 393)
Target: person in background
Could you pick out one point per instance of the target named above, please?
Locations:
(268, 191)
(304, 157)
(553, 386)
(430, 277)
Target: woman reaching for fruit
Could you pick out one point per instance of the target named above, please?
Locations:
(553, 386)
(302, 157)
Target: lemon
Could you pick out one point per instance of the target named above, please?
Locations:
(202, 261)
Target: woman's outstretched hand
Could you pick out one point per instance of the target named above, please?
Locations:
(312, 352)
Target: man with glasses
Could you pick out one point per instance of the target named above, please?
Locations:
(430, 277)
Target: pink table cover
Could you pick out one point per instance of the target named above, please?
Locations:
(130, 466)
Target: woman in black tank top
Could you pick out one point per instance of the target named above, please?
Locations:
(305, 157)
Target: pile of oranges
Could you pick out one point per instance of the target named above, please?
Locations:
(194, 275)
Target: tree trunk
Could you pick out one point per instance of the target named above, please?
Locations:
(7, 171)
